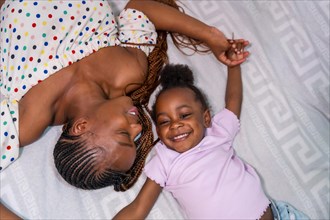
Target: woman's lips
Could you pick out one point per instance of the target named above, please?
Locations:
(133, 111)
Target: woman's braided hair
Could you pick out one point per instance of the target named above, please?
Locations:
(79, 165)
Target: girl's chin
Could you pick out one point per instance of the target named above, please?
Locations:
(181, 149)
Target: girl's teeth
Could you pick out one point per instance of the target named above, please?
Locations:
(180, 136)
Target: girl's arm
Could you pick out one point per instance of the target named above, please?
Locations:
(143, 203)
(170, 19)
(234, 88)
(234, 94)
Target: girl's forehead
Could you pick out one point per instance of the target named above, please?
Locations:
(176, 96)
(178, 92)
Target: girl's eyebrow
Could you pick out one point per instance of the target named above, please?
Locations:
(177, 108)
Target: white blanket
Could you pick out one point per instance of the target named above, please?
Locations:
(284, 120)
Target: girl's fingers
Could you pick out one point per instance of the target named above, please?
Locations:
(239, 48)
(230, 41)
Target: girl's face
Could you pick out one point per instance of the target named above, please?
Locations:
(180, 119)
(115, 125)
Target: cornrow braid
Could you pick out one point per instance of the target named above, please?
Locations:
(73, 160)
(80, 166)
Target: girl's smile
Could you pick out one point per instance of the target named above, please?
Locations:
(180, 123)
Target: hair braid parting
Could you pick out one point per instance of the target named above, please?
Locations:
(156, 60)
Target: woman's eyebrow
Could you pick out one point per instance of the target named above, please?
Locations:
(125, 144)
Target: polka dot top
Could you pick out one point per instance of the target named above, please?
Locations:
(38, 38)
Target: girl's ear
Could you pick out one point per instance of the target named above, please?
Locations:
(79, 126)
(207, 118)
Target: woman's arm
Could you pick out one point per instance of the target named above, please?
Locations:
(1, 2)
(143, 203)
(6, 213)
(170, 19)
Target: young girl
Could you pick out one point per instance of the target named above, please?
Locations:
(195, 159)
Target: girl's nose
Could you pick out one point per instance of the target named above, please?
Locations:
(176, 124)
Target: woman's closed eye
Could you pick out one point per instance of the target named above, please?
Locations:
(125, 139)
(125, 134)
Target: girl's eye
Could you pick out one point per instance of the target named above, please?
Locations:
(183, 116)
(163, 123)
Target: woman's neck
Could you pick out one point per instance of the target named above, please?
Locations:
(84, 89)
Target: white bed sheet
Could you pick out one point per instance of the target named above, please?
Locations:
(284, 122)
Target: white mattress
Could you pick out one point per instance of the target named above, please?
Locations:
(285, 116)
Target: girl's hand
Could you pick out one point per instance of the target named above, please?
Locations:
(220, 46)
(236, 53)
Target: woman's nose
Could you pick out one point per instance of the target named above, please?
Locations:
(136, 129)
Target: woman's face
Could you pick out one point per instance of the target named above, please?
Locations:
(180, 119)
(115, 125)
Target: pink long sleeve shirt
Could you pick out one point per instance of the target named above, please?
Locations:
(209, 181)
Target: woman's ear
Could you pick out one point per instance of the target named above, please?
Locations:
(79, 126)
(207, 118)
